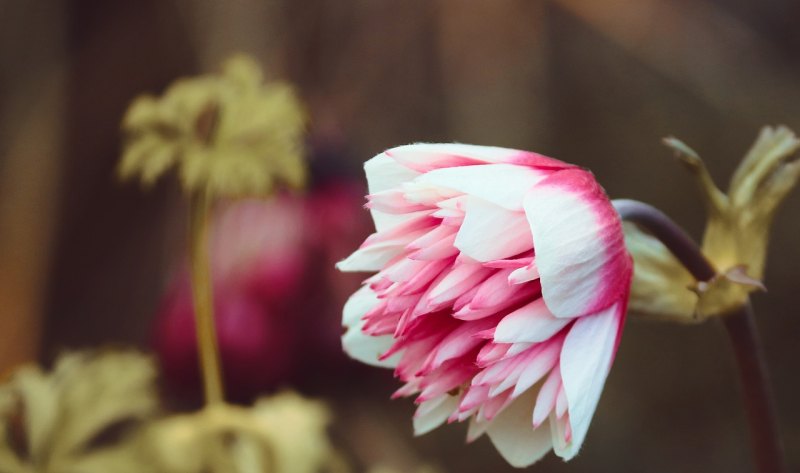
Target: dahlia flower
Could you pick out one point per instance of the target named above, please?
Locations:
(500, 294)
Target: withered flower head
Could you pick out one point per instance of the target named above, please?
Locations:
(284, 433)
(79, 418)
(735, 239)
(227, 135)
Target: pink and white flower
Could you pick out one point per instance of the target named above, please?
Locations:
(500, 294)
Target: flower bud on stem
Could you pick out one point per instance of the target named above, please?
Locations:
(742, 331)
(203, 298)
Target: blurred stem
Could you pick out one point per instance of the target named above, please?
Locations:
(742, 332)
(203, 297)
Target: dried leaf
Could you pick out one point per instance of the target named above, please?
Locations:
(735, 239)
(229, 135)
(79, 417)
(285, 433)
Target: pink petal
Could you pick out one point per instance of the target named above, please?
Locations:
(441, 249)
(404, 269)
(580, 249)
(585, 362)
(392, 201)
(361, 302)
(383, 246)
(530, 323)
(504, 185)
(424, 157)
(424, 278)
(426, 193)
(384, 173)
(536, 368)
(490, 233)
(510, 263)
(546, 399)
(434, 236)
(561, 402)
(514, 296)
(457, 343)
(367, 348)
(461, 279)
(428, 156)
(524, 274)
(493, 291)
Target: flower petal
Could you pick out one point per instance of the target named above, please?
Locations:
(432, 413)
(513, 435)
(491, 233)
(501, 184)
(355, 342)
(384, 173)
(585, 362)
(361, 302)
(546, 399)
(367, 348)
(530, 323)
(580, 250)
(424, 157)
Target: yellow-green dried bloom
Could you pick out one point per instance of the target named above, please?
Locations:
(226, 135)
(284, 433)
(735, 239)
(81, 417)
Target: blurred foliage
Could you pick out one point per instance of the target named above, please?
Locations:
(281, 434)
(99, 411)
(80, 417)
(228, 135)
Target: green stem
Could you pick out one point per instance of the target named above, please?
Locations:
(740, 324)
(203, 298)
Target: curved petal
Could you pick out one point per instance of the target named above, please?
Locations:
(432, 413)
(515, 438)
(367, 348)
(490, 232)
(361, 302)
(501, 184)
(530, 323)
(424, 157)
(384, 173)
(585, 362)
(371, 258)
(356, 343)
(579, 245)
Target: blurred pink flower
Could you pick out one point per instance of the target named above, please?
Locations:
(255, 344)
(500, 295)
(263, 253)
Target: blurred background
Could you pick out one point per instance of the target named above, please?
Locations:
(87, 261)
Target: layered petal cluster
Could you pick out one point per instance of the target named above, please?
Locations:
(500, 293)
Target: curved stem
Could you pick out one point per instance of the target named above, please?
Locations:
(671, 235)
(203, 298)
(742, 333)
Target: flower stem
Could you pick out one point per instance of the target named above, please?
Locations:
(203, 298)
(669, 233)
(759, 405)
(742, 332)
